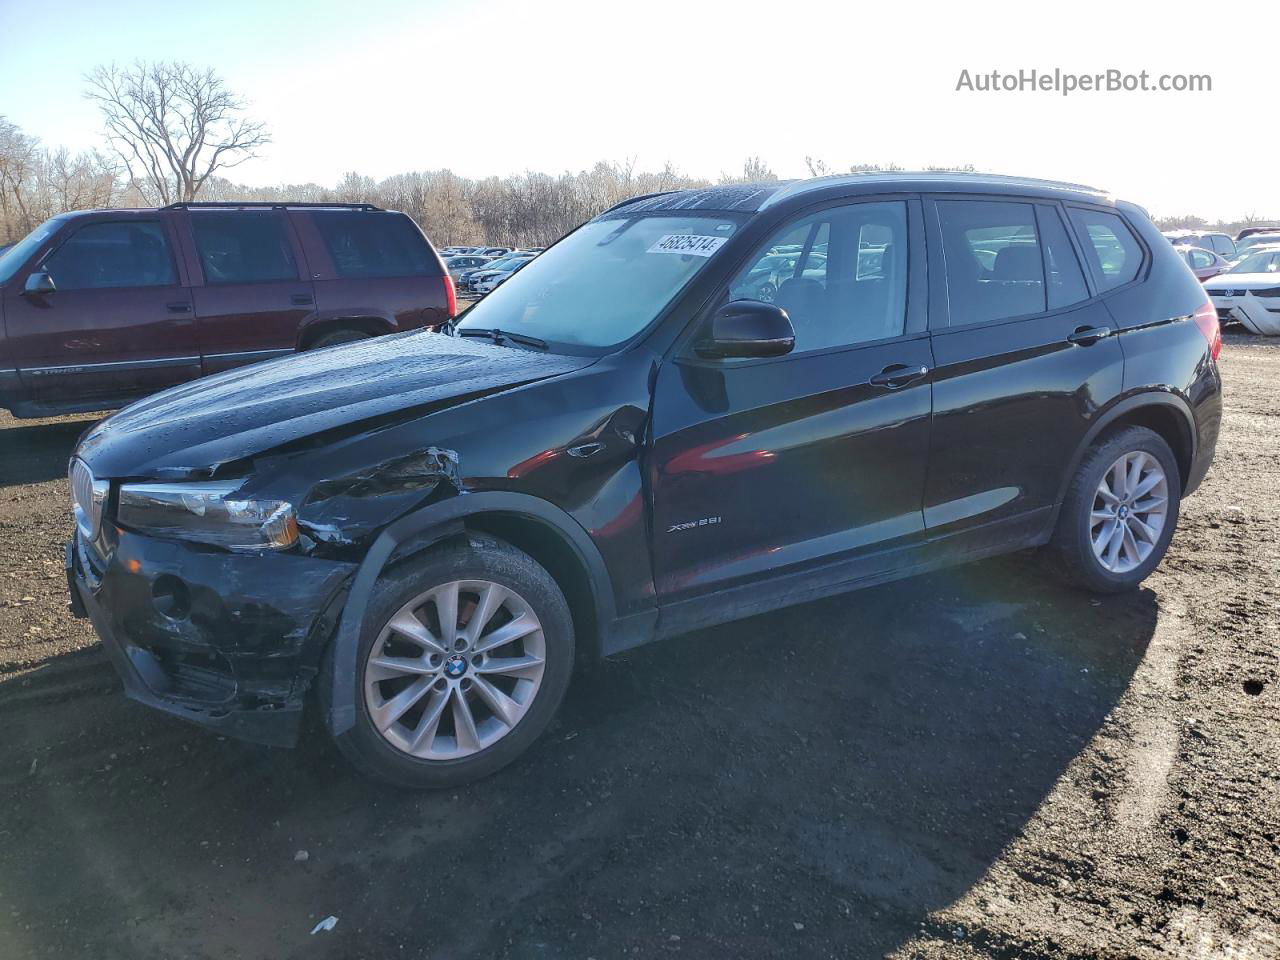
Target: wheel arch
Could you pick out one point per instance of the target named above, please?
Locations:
(1162, 412)
(374, 326)
(538, 527)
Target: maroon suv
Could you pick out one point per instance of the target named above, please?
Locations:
(98, 308)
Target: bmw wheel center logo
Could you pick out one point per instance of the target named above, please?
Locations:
(455, 666)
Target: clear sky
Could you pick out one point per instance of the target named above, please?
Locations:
(494, 87)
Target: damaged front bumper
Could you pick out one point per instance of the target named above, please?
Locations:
(228, 641)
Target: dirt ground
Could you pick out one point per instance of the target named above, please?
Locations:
(976, 764)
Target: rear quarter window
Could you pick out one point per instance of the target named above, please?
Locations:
(372, 244)
(1113, 252)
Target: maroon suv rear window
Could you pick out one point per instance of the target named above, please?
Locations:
(375, 244)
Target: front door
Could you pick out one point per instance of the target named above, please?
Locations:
(768, 466)
(118, 325)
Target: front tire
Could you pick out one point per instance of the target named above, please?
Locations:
(1119, 513)
(464, 658)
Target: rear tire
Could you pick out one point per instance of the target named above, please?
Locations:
(1119, 513)
(335, 337)
(467, 724)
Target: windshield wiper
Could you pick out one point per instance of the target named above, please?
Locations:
(498, 336)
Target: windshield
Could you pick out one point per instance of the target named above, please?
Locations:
(16, 256)
(1264, 261)
(1257, 239)
(509, 264)
(499, 264)
(605, 282)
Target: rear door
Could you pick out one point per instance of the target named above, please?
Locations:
(119, 325)
(1025, 357)
(762, 467)
(252, 295)
(374, 265)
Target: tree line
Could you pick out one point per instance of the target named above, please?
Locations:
(172, 132)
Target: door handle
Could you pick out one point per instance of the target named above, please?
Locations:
(302, 300)
(178, 307)
(1084, 336)
(584, 450)
(899, 375)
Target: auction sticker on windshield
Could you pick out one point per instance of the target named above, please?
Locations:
(687, 243)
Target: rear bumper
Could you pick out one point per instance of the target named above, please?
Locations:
(1205, 396)
(229, 642)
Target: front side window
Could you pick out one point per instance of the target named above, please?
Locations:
(1221, 244)
(1114, 252)
(1200, 259)
(605, 282)
(994, 265)
(117, 253)
(369, 244)
(242, 247)
(13, 258)
(841, 275)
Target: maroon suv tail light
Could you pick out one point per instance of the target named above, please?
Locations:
(1206, 318)
(450, 296)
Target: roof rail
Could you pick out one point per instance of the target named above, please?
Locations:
(270, 204)
(635, 199)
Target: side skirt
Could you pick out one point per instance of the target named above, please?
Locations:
(750, 599)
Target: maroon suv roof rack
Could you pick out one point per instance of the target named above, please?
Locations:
(274, 205)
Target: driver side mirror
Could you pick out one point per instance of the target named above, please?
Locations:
(747, 328)
(40, 283)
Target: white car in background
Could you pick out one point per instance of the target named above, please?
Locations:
(459, 264)
(489, 281)
(1253, 242)
(472, 279)
(1249, 293)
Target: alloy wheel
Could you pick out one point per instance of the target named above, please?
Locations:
(454, 670)
(1129, 511)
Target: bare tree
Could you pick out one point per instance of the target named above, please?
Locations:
(817, 168)
(173, 125)
(754, 170)
(18, 159)
(36, 184)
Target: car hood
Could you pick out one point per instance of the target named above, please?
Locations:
(192, 429)
(1244, 281)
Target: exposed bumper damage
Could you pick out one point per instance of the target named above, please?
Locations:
(233, 641)
(228, 641)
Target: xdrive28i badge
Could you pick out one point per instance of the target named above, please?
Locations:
(689, 525)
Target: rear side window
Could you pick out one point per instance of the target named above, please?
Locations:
(1221, 244)
(374, 244)
(1113, 251)
(994, 265)
(1201, 259)
(1062, 269)
(241, 247)
(119, 253)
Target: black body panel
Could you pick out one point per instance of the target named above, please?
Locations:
(667, 491)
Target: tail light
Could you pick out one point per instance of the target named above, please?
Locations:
(450, 296)
(1206, 318)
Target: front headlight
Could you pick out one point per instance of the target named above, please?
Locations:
(208, 513)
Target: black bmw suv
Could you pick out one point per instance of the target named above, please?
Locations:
(418, 535)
